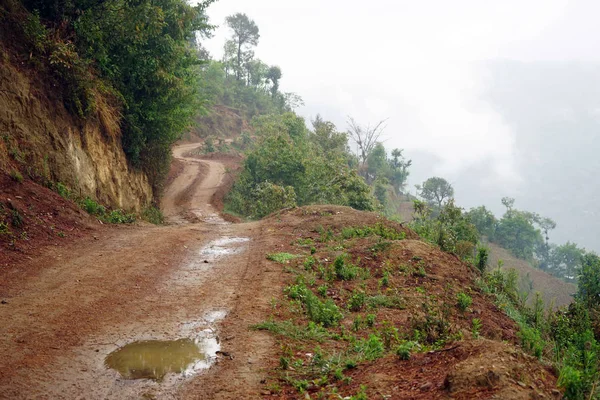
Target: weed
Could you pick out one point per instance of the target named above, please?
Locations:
(357, 323)
(381, 300)
(326, 313)
(369, 349)
(153, 215)
(61, 234)
(304, 242)
(403, 350)
(380, 247)
(16, 219)
(361, 395)
(420, 272)
(370, 320)
(309, 263)
(420, 290)
(16, 176)
(385, 281)
(282, 258)
(389, 334)
(92, 207)
(476, 326)
(464, 301)
(63, 190)
(322, 290)
(120, 217)
(313, 250)
(4, 230)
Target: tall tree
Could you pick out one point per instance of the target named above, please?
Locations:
(436, 190)
(244, 35)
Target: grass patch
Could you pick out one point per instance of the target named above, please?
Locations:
(282, 258)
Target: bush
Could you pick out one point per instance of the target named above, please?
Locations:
(153, 215)
(357, 301)
(464, 301)
(403, 351)
(16, 176)
(343, 270)
(483, 254)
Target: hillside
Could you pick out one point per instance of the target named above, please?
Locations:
(555, 291)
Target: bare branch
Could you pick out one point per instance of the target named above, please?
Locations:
(365, 138)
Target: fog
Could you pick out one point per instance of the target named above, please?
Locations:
(500, 98)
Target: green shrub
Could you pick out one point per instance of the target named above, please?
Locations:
(120, 217)
(343, 270)
(309, 263)
(357, 301)
(92, 207)
(403, 350)
(370, 349)
(63, 190)
(483, 254)
(464, 301)
(153, 215)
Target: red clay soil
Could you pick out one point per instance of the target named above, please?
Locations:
(33, 218)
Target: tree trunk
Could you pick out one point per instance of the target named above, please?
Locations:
(239, 59)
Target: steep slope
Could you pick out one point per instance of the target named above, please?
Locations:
(43, 141)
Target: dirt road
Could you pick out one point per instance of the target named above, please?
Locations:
(204, 280)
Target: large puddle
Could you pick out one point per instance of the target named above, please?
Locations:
(154, 359)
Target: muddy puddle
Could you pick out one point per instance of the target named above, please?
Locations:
(155, 359)
(223, 247)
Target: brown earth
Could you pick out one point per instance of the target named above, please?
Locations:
(65, 308)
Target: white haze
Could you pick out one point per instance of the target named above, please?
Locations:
(434, 68)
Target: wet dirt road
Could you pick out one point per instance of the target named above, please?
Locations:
(197, 278)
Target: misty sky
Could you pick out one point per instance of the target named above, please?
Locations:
(501, 98)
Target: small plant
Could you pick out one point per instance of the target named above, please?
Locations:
(476, 326)
(344, 271)
(322, 290)
(403, 350)
(309, 263)
(92, 207)
(282, 258)
(389, 334)
(357, 323)
(303, 242)
(284, 363)
(464, 301)
(63, 190)
(385, 281)
(153, 215)
(481, 262)
(16, 176)
(313, 250)
(420, 272)
(357, 301)
(16, 219)
(120, 217)
(370, 349)
(4, 230)
(371, 320)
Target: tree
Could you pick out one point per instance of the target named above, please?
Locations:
(509, 203)
(435, 190)
(484, 220)
(565, 260)
(245, 35)
(326, 137)
(517, 233)
(377, 164)
(398, 170)
(366, 138)
(588, 286)
(274, 75)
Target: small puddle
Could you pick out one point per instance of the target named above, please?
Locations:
(154, 359)
(222, 247)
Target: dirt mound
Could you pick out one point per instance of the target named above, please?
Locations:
(387, 289)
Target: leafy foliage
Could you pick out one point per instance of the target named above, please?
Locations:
(298, 172)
